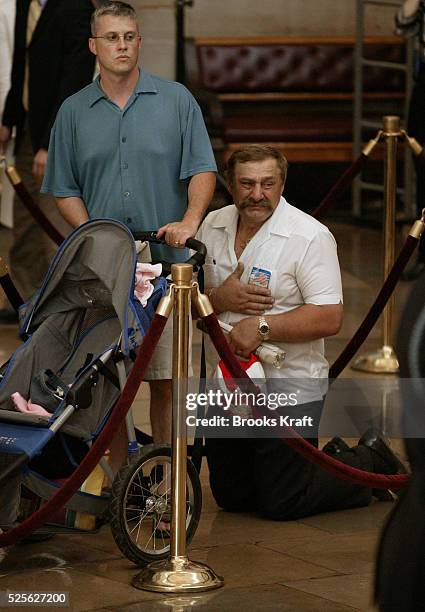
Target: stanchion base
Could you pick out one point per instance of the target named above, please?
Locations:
(177, 575)
(383, 361)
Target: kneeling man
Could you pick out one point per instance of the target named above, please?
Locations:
(272, 273)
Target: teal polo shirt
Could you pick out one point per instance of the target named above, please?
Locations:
(131, 164)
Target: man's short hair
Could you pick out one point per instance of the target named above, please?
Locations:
(113, 8)
(253, 153)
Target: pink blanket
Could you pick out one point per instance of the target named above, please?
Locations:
(143, 287)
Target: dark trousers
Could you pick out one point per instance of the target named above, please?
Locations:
(265, 475)
(31, 250)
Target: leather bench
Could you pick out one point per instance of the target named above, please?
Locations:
(296, 93)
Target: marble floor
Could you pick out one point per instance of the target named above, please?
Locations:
(322, 563)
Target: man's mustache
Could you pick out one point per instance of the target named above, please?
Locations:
(250, 202)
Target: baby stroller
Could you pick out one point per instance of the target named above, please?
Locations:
(82, 331)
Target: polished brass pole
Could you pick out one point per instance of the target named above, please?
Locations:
(178, 574)
(392, 131)
(384, 361)
(182, 277)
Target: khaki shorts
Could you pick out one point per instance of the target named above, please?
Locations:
(161, 364)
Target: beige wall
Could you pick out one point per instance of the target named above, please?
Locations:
(250, 18)
(283, 18)
(157, 23)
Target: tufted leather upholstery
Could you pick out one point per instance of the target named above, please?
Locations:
(293, 68)
(297, 68)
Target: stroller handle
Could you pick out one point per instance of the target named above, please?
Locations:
(198, 259)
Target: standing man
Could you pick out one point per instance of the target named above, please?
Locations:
(51, 61)
(273, 274)
(134, 147)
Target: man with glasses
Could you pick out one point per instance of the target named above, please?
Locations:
(134, 147)
(50, 62)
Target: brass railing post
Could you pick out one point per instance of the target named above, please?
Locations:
(384, 361)
(182, 277)
(178, 574)
(392, 131)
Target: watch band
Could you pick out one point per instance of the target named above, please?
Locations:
(263, 328)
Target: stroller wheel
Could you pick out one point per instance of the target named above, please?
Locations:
(141, 504)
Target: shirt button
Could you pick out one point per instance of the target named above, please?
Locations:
(129, 219)
(126, 194)
(125, 166)
(124, 139)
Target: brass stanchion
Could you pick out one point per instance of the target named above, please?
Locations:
(384, 361)
(178, 574)
(11, 172)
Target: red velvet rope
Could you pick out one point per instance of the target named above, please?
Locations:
(36, 211)
(291, 437)
(342, 183)
(102, 442)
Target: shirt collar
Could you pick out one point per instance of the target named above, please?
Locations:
(278, 223)
(145, 84)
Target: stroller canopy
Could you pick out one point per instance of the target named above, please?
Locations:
(94, 268)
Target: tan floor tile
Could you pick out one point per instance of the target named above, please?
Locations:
(353, 589)
(247, 565)
(58, 552)
(264, 598)
(345, 554)
(236, 528)
(86, 591)
(102, 541)
(121, 570)
(370, 518)
(240, 565)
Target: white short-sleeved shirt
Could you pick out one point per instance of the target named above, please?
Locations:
(299, 256)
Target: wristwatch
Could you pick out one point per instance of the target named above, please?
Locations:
(263, 328)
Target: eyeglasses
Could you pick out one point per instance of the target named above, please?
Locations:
(113, 37)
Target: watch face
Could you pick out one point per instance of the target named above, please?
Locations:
(264, 328)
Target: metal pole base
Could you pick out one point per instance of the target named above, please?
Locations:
(177, 575)
(383, 361)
